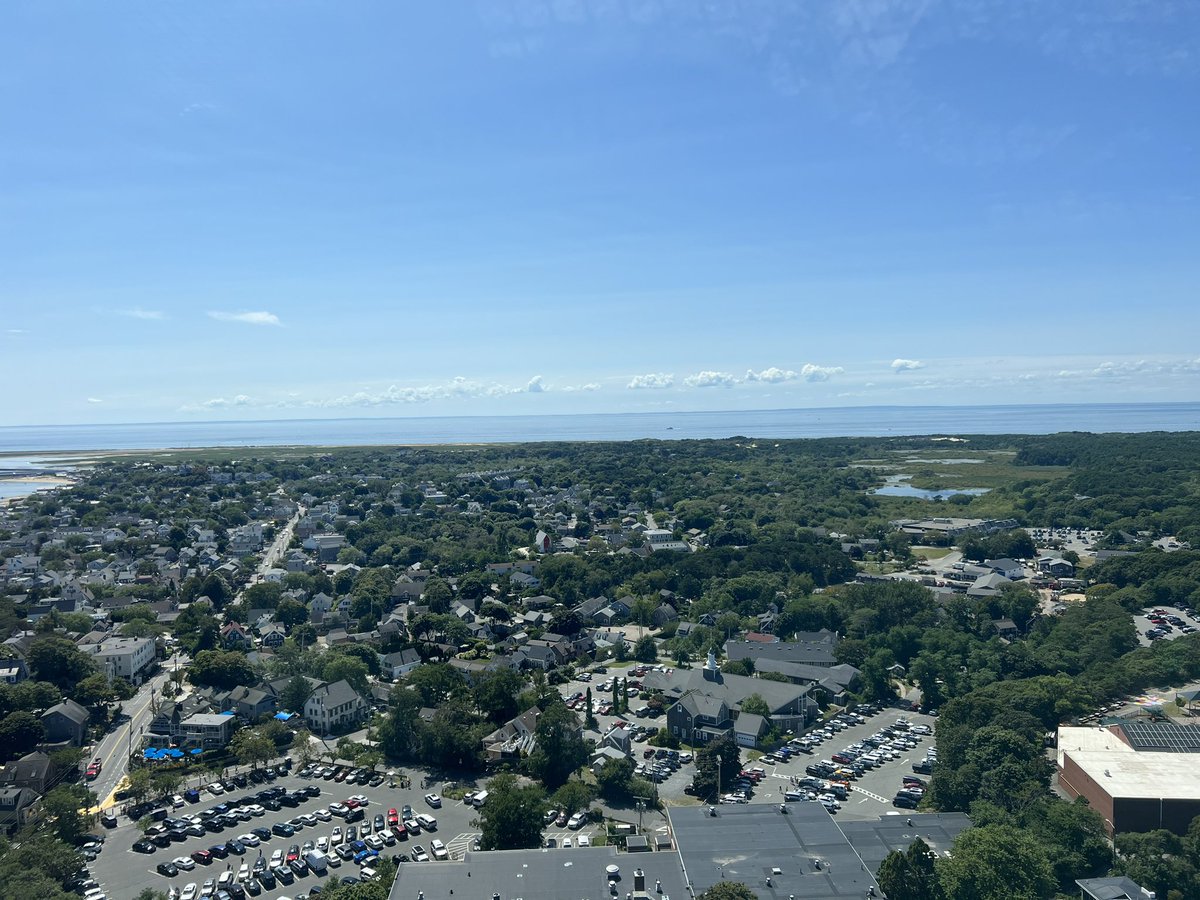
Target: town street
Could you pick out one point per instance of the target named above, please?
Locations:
(114, 748)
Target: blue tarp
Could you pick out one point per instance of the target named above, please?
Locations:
(284, 716)
(197, 752)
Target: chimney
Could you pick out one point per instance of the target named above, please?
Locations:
(639, 881)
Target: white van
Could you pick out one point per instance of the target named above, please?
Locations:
(479, 799)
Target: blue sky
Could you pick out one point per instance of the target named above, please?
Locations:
(278, 210)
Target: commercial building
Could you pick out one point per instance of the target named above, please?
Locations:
(207, 730)
(801, 853)
(125, 658)
(1137, 776)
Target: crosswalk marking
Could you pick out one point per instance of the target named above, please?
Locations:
(869, 794)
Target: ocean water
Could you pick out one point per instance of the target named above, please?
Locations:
(859, 421)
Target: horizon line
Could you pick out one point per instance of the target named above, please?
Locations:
(576, 415)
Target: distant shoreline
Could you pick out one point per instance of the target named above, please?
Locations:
(85, 443)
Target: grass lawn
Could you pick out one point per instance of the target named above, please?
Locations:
(931, 552)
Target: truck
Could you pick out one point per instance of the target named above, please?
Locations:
(317, 861)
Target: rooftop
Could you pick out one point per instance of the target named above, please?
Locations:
(558, 874)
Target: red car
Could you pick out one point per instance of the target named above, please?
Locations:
(351, 803)
(392, 817)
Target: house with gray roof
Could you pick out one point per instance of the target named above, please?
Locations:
(334, 707)
(708, 700)
(813, 648)
(66, 722)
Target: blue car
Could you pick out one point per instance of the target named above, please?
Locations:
(364, 854)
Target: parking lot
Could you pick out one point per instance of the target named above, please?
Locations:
(869, 796)
(122, 872)
(1156, 623)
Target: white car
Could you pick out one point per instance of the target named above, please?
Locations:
(438, 849)
(189, 891)
(336, 837)
(184, 863)
(277, 858)
(576, 821)
(374, 841)
(429, 823)
(323, 814)
(360, 800)
(433, 800)
(215, 788)
(256, 810)
(566, 843)
(584, 841)
(177, 802)
(244, 872)
(250, 840)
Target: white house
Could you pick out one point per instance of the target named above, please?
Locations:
(333, 707)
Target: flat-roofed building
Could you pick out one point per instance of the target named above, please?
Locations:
(1138, 777)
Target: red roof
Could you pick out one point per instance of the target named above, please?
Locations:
(759, 638)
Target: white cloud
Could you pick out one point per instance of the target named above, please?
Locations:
(772, 375)
(535, 385)
(652, 381)
(15, 331)
(247, 318)
(590, 386)
(94, 400)
(222, 402)
(906, 365)
(813, 372)
(710, 379)
(151, 315)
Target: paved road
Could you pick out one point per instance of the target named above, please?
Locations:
(114, 747)
(279, 546)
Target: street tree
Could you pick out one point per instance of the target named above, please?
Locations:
(728, 890)
(996, 862)
(560, 750)
(512, 817)
(910, 874)
(251, 747)
(62, 811)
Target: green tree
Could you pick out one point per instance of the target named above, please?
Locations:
(716, 765)
(573, 796)
(996, 862)
(339, 667)
(61, 809)
(910, 875)
(221, 669)
(646, 649)
(560, 749)
(728, 890)
(437, 596)
(614, 779)
(251, 747)
(291, 612)
(756, 705)
(59, 661)
(436, 683)
(512, 817)
(398, 730)
(20, 732)
(496, 694)
(295, 694)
